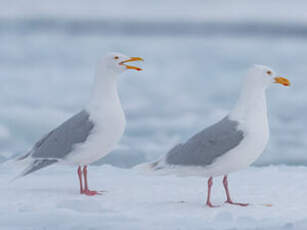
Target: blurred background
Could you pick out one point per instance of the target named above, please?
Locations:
(196, 53)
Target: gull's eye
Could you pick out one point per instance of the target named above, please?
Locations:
(116, 57)
(269, 72)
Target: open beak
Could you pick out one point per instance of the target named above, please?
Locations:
(282, 80)
(130, 60)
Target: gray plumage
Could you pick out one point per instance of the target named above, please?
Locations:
(36, 165)
(58, 143)
(206, 146)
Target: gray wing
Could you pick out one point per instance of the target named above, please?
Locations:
(59, 142)
(206, 146)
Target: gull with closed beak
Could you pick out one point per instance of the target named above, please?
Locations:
(232, 143)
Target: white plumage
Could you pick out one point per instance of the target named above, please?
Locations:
(231, 144)
(91, 134)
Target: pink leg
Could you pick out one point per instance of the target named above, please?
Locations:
(229, 200)
(80, 179)
(86, 190)
(210, 183)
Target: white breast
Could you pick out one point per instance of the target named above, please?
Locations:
(109, 128)
(251, 113)
(109, 121)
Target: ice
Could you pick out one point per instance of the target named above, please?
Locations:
(49, 199)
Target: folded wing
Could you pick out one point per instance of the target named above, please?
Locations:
(58, 144)
(208, 145)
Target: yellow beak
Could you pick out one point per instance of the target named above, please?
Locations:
(130, 60)
(282, 80)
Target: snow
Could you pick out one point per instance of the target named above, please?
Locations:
(49, 199)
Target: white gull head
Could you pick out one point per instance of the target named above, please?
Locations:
(116, 63)
(252, 99)
(105, 86)
(261, 77)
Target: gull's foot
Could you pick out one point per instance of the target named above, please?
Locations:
(210, 205)
(236, 203)
(91, 193)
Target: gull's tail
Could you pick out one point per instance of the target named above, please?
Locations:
(36, 165)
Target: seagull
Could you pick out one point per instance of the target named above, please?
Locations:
(90, 134)
(232, 143)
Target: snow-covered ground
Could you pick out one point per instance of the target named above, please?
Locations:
(49, 199)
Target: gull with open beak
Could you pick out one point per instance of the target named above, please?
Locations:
(232, 143)
(90, 134)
